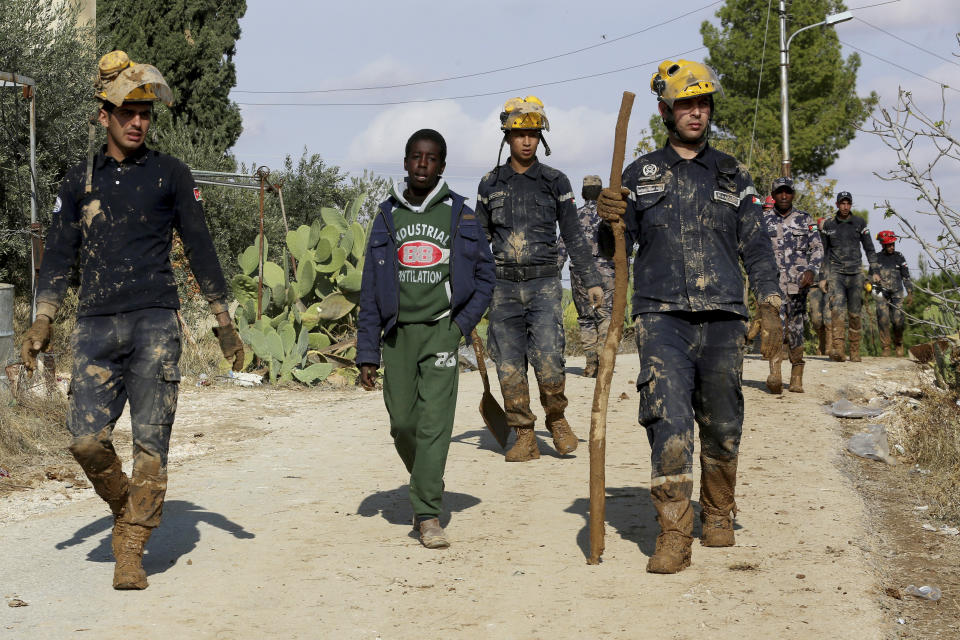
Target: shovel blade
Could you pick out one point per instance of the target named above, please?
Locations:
(495, 418)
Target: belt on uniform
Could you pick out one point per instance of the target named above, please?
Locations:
(519, 273)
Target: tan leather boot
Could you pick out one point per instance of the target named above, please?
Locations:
(854, 336)
(554, 402)
(432, 535)
(675, 515)
(837, 326)
(718, 480)
(592, 366)
(525, 448)
(128, 572)
(796, 371)
(775, 379)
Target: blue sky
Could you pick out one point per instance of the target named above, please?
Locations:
(295, 45)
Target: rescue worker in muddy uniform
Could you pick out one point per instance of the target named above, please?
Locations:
(818, 304)
(894, 278)
(694, 214)
(519, 204)
(843, 236)
(593, 322)
(115, 216)
(799, 253)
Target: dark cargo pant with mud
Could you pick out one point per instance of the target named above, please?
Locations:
(127, 356)
(691, 366)
(526, 326)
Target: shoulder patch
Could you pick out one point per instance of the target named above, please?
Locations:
(813, 227)
(566, 196)
(196, 195)
(57, 205)
(649, 170)
(727, 165)
(866, 231)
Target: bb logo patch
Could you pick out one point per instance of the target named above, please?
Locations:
(649, 170)
(196, 195)
(418, 254)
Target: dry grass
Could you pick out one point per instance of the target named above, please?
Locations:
(32, 430)
(932, 439)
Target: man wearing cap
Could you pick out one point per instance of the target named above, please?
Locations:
(694, 215)
(843, 236)
(799, 253)
(593, 321)
(519, 205)
(894, 278)
(115, 217)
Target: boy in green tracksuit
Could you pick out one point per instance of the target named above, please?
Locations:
(428, 277)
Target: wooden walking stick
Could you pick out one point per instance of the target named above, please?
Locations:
(608, 357)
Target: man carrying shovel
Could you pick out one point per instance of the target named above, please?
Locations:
(694, 215)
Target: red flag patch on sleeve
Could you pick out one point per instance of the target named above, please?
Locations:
(196, 195)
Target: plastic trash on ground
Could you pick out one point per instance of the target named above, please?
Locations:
(245, 379)
(871, 445)
(845, 409)
(926, 592)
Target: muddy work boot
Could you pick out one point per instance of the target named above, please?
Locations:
(592, 366)
(823, 340)
(854, 336)
(432, 535)
(128, 572)
(885, 343)
(675, 516)
(837, 327)
(898, 340)
(774, 380)
(718, 480)
(564, 440)
(525, 448)
(796, 371)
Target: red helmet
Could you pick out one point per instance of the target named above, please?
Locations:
(820, 222)
(887, 237)
(768, 203)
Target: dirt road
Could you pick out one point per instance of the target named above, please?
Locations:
(294, 523)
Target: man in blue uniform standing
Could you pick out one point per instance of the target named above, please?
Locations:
(115, 216)
(519, 204)
(843, 235)
(799, 253)
(694, 215)
(592, 321)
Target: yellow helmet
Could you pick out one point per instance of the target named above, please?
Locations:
(683, 79)
(524, 113)
(120, 80)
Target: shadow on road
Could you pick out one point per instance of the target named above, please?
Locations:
(177, 535)
(630, 512)
(394, 505)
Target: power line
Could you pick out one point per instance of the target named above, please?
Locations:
(463, 97)
(490, 71)
(901, 67)
(878, 4)
(915, 46)
(756, 105)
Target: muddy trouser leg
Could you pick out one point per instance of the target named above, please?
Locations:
(507, 344)
(898, 322)
(668, 345)
(586, 317)
(152, 377)
(97, 397)
(838, 314)
(883, 324)
(815, 303)
(854, 284)
(420, 393)
(545, 344)
(718, 409)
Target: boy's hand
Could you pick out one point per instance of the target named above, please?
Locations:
(368, 376)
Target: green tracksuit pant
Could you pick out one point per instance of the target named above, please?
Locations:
(420, 390)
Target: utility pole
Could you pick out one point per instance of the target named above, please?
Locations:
(830, 20)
